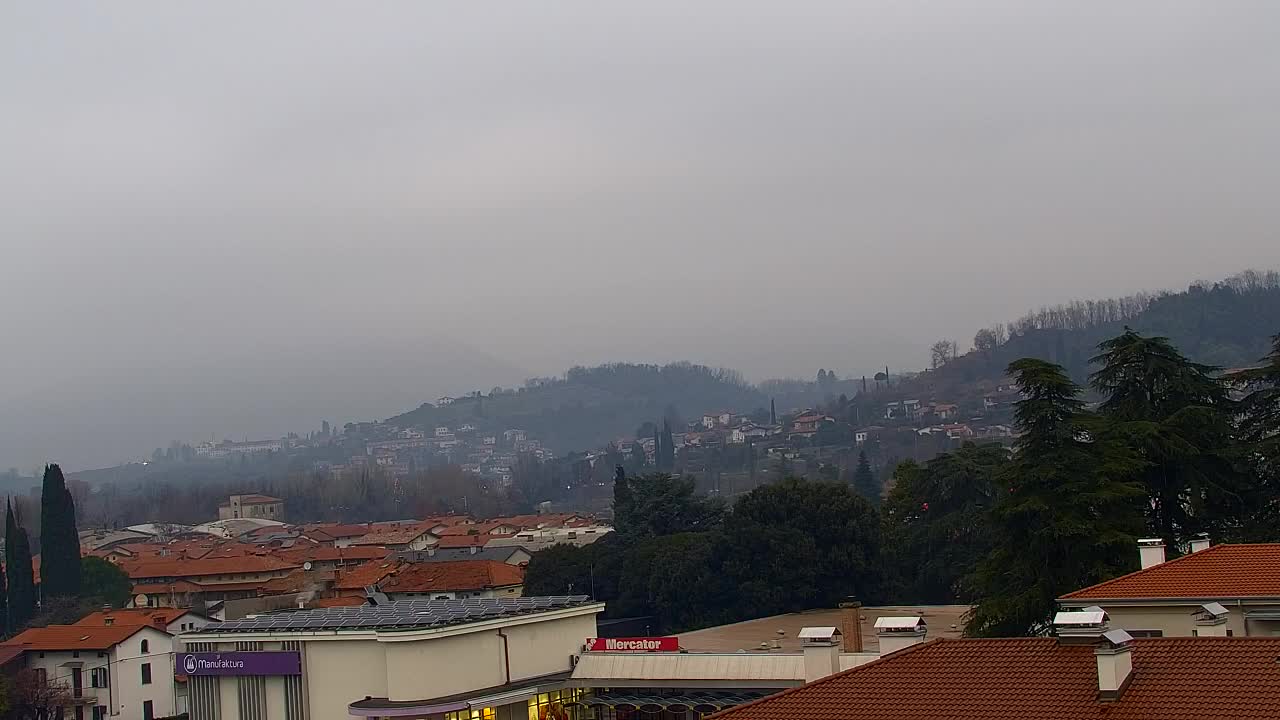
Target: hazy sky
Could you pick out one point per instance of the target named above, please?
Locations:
(240, 218)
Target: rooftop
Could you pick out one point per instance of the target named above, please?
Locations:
(786, 628)
(1037, 678)
(75, 637)
(134, 616)
(458, 575)
(400, 615)
(1222, 571)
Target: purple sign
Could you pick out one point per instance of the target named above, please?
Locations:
(239, 663)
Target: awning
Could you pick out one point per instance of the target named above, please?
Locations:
(486, 697)
(652, 703)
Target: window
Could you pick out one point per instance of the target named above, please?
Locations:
(1146, 633)
(148, 711)
(79, 713)
(99, 712)
(98, 677)
(146, 673)
(146, 646)
(42, 675)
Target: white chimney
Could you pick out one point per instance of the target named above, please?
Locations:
(1200, 542)
(821, 652)
(1080, 627)
(1211, 620)
(1151, 552)
(1115, 664)
(896, 633)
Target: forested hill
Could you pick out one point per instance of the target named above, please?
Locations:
(1228, 324)
(588, 407)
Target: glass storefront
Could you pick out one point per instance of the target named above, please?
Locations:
(473, 714)
(551, 705)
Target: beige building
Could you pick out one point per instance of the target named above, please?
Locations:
(263, 507)
(474, 659)
(1212, 591)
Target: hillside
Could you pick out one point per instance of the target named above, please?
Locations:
(1227, 324)
(588, 407)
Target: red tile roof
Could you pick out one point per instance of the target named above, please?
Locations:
(326, 553)
(370, 573)
(1038, 679)
(459, 541)
(159, 617)
(1222, 571)
(144, 568)
(462, 575)
(393, 536)
(336, 602)
(75, 637)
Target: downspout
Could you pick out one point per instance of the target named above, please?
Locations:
(506, 656)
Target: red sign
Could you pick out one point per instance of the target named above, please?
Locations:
(634, 644)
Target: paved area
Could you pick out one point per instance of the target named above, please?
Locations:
(943, 621)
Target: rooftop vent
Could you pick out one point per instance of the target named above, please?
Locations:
(1211, 620)
(897, 633)
(1199, 542)
(1114, 656)
(821, 652)
(1080, 626)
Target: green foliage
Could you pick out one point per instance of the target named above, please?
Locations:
(1259, 438)
(660, 504)
(59, 540)
(864, 481)
(1176, 416)
(936, 522)
(1069, 517)
(103, 583)
(19, 574)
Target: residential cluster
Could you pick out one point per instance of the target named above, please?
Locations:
(338, 627)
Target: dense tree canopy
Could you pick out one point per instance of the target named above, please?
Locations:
(59, 540)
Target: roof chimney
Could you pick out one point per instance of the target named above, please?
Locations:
(851, 625)
(1211, 620)
(1151, 552)
(897, 633)
(1200, 542)
(821, 652)
(1080, 627)
(1115, 664)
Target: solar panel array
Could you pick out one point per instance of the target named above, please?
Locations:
(400, 614)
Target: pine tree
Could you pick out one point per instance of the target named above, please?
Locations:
(1177, 416)
(59, 540)
(18, 571)
(864, 481)
(773, 412)
(1068, 514)
(1260, 435)
(668, 448)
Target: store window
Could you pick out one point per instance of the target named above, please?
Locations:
(473, 714)
(550, 706)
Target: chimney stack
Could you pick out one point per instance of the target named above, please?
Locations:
(851, 625)
(1200, 542)
(1151, 552)
(1080, 627)
(821, 652)
(897, 633)
(1115, 664)
(1211, 620)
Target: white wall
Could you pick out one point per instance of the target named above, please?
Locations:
(126, 693)
(341, 672)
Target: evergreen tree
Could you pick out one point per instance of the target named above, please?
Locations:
(18, 571)
(4, 593)
(1178, 418)
(1259, 435)
(59, 540)
(657, 448)
(1068, 514)
(773, 412)
(864, 481)
(668, 448)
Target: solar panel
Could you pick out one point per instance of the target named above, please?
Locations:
(416, 612)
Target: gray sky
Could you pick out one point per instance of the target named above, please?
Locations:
(239, 218)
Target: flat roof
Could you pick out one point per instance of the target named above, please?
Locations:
(398, 615)
(749, 634)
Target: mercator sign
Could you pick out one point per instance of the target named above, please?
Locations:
(634, 644)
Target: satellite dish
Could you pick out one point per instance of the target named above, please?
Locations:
(140, 600)
(306, 565)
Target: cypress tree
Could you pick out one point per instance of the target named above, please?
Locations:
(864, 482)
(59, 541)
(4, 591)
(773, 412)
(21, 579)
(668, 448)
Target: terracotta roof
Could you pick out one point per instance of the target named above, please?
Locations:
(75, 637)
(457, 541)
(1222, 571)
(296, 581)
(326, 553)
(255, 500)
(1038, 679)
(159, 616)
(337, 531)
(370, 573)
(457, 575)
(177, 586)
(140, 568)
(393, 536)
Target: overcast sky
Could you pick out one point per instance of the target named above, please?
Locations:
(239, 218)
